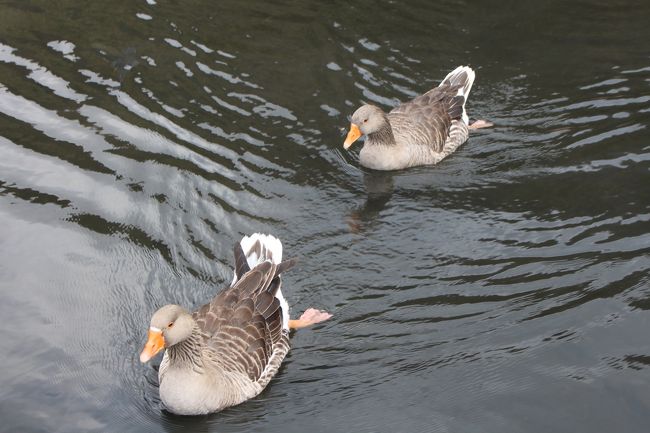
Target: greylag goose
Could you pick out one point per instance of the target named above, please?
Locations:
(420, 132)
(227, 352)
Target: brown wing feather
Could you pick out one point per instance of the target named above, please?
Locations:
(243, 323)
(241, 262)
(426, 119)
(253, 279)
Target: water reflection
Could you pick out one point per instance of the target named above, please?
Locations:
(379, 189)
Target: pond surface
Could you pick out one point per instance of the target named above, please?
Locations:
(505, 290)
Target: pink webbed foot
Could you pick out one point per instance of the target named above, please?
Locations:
(480, 124)
(310, 317)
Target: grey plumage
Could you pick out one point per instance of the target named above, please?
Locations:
(420, 132)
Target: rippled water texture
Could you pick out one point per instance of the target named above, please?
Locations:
(505, 290)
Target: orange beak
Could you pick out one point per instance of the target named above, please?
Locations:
(155, 343)
(353, 135)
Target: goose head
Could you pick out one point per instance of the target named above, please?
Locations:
(366, 120)
(170, 325)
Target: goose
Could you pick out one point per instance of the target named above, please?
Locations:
(422, 131)
(228, 350)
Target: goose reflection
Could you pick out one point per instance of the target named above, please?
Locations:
(379, 187)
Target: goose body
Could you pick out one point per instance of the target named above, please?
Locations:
(229, 349)
(422, 131)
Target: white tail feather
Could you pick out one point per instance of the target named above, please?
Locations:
(271, 244)
(272, 250)
(454, 77)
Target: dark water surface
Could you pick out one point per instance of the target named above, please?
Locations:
(505, 290)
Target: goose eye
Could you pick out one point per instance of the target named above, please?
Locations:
(170, 324)
(365, 120)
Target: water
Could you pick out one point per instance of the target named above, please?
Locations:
(506, 289)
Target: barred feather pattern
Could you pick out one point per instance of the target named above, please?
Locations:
(275, 361)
